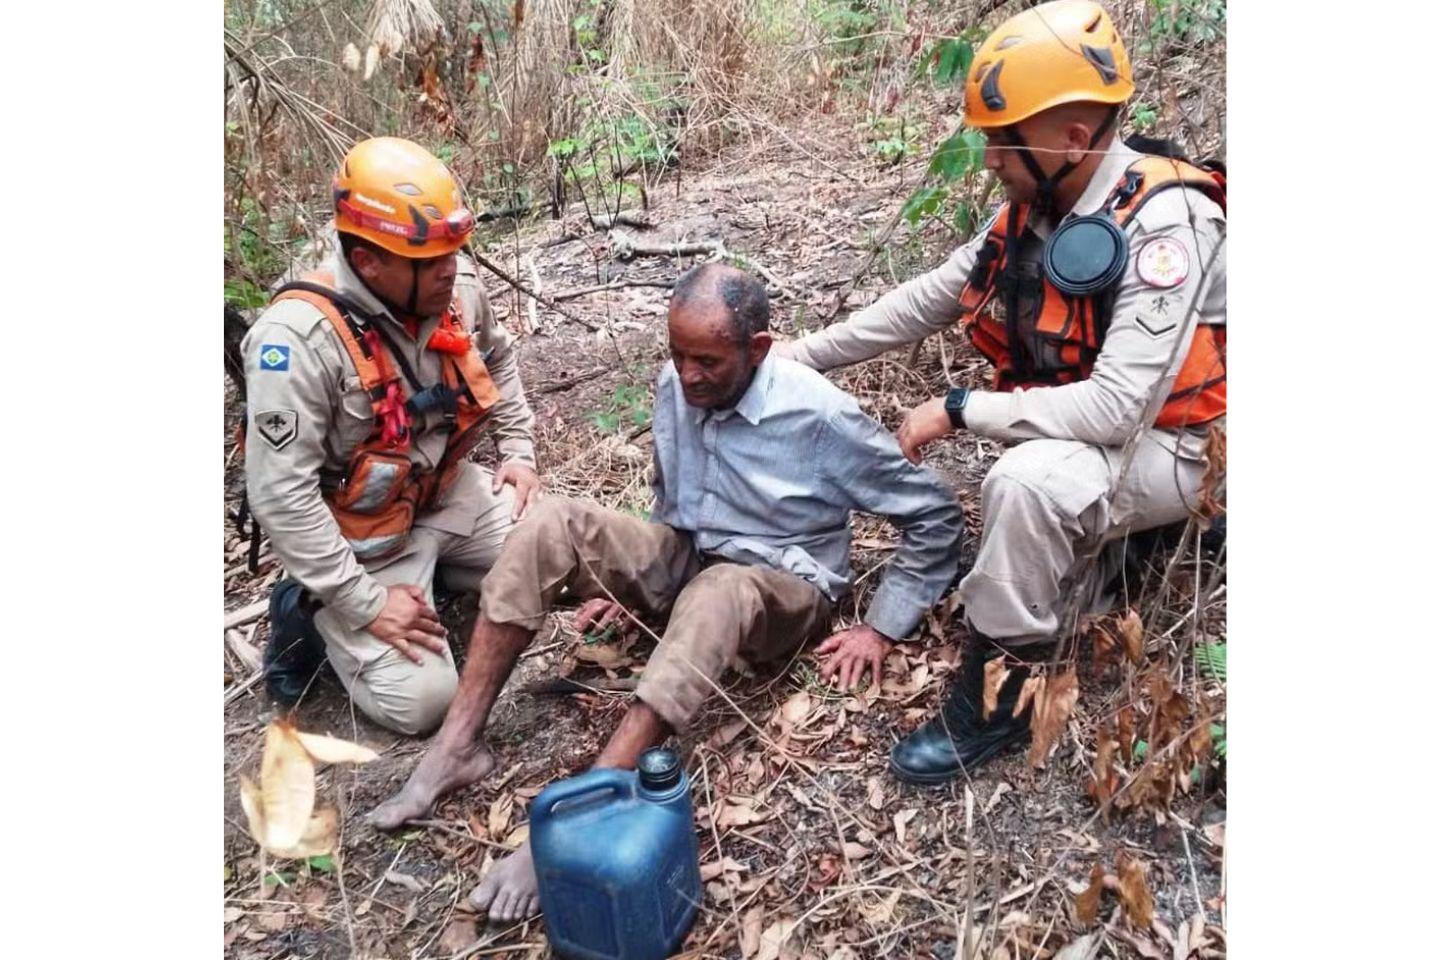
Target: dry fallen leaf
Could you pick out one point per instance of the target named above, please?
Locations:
(773, 939)
(1133, 888)
(882, 911)
(994, 674)
(796, 709)
(750, 928)
(711, 871)
(318, 839)
(351, 58)
(740, 815)
(1088, 902)
(724, 734)
(603, 654)
(406, 881)
(1130, 629)
(461, 934)
(288, 789)
(1049, 714)
(855, 851)
(500, 813)
(370, 62)
(875, 793)
(1083, 948)
(1028, 695)
(900, 821)
(324, 749)
(518, 837)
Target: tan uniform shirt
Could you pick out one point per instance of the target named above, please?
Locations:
(307, 411)
(1142, 333)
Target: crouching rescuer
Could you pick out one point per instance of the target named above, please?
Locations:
(369, 383)
(1097, 292)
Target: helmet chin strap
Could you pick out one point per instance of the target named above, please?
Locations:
(1043, 202)
(411, 308)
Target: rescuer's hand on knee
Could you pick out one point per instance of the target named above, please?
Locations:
(925, 423)
(523, 479)
(407, 622)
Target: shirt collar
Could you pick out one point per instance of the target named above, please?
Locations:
(1117, 158)
(751, 404)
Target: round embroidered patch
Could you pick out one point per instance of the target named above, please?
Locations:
(1163, 263)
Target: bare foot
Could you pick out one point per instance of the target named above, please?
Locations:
(510, 891)
(439, 772)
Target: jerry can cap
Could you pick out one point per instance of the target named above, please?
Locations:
(659, 769)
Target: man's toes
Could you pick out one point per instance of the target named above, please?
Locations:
(484, 895)
(531, 905)
(503, 907)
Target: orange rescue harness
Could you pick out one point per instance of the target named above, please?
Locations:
(1068, 331)
(383, 490)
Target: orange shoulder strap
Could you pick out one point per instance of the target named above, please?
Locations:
(1155, 174)
(372, 373)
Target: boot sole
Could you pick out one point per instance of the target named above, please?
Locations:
(932, 779)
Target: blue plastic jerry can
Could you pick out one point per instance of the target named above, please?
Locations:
(617, 862)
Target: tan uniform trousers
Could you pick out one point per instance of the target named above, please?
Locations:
(716, 610)
(1043, 503)
(391, 689)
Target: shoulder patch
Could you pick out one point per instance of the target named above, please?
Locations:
(1163, 263)
(275, 356)
(277, 427)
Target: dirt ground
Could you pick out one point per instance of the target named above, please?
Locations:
(810, 847)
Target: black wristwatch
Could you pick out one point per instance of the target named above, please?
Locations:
(956, 403)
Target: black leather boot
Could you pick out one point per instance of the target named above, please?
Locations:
(295, 651)
(959, 738)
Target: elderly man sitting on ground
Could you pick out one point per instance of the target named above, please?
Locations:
(759, 462)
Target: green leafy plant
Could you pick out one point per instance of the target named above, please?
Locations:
(1183, 23)
(1143, 117)
(628, 404)
(953, 160)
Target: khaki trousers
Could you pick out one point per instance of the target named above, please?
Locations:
(391, 689)
(1043, 503)
(716, 611)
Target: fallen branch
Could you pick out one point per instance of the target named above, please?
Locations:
(630, 218)
(564, 686)
(626, 246)
(252, 611)
(503, 275)
(576, 292)
(574, 381)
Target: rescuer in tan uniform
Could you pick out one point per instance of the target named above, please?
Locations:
(368, 385)
(1105, 268)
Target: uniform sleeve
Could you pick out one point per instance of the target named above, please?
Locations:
(864, 464)
(289, 406)
(511, 421)
(911, 312)
(1143, 348)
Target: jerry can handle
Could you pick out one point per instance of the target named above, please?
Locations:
(604, 780)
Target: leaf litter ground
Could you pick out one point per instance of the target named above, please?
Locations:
(809, 847)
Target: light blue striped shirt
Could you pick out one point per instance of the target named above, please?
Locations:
(773, 483)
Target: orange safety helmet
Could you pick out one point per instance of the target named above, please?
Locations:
(396, 194)
(1061, 52)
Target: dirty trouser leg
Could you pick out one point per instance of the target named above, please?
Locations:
(587, 550)
(728, 609)
(1042, 504)
(391, 689)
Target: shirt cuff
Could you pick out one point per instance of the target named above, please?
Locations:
(988, 412)
(515, 449)
(359, 606)
(893, 614)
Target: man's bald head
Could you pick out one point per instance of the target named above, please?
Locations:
(719, 329)
(734, 295)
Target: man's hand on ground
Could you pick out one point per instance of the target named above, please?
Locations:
(600, 613)
(407, 620)
(851, 651)
(525, 481)
(922, 425)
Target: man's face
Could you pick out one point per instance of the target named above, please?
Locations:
(391, 277)
(1046, 139)
(714, 367)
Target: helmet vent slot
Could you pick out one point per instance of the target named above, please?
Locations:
(432, 211)
(1007, 43)
(1096, 22)
(408, 189)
